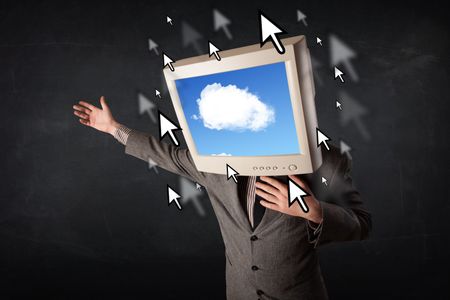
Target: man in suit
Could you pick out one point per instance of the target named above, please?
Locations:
(270, 247)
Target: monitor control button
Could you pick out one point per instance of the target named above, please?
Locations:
(275, 168)
(268, 168)
(255, 168)
(261, 168)
(292, 167)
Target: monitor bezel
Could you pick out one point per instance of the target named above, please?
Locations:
(306, 161)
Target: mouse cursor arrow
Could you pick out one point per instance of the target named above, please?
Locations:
(269, 30)
(296, 193)
(231, 173)
(146, 106)
(322, 139)
(167, 126)
(301, 17)
(173, 197)
(338, 73)
(153, 46)
(214, 50)
(324, 181)
(169, 20)
(167, 61)
(345, 149)
(342, 54)
(157, 94)
(221, 22)
(318, 41)
(338, 105)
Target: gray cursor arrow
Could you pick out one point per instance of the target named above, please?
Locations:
(342, 54)
(146, 106)
(191, 194)
(221, 22)
(354, 113)
(345, 149)
(301, 17)
(190, 37)
(153, 46)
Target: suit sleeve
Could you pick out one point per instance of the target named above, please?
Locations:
(344, 216)
(173, 159)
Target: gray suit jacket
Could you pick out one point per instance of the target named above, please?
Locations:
(278, 260)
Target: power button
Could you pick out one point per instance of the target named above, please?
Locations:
(292, 167)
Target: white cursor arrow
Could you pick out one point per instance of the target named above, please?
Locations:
(157, 93)
(169, 20)
(221, 22)
(198, 186)
(338, 73)
(153, 46)
(231, 173)
(213, 50)
(324, 181)
(301, 17)
(173, 196)
(167, 61)
(338, 105)
(318, 41)
(322, 139)
(268, 29)
(167, 126)
(296, 193)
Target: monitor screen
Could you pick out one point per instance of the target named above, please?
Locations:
(245, 112)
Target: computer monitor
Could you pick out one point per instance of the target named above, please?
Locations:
(253, 110)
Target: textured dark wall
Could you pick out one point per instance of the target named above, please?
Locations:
(78, 216)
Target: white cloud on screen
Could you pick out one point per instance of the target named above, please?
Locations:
(231, 108)
(222, 154)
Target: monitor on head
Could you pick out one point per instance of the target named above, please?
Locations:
(253, 110)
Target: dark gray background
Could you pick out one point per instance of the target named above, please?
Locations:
(79, 217)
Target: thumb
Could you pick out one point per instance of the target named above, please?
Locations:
(103, 103)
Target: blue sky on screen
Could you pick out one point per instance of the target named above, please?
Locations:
(244, 112)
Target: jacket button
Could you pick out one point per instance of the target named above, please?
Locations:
(253, 238)
(254, 268)
(259, 292)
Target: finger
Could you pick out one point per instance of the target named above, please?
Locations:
(269, 205)
(82, 109)
(268, 188)
(84, 122)
(103, 103)
(80, 114)
(88, 105)
(266, 196)
(280, 186)
(298, 181)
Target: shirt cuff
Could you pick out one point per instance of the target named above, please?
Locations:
(121, 134)
(314, 230)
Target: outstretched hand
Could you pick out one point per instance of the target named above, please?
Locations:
(275, 195)
(92, 116)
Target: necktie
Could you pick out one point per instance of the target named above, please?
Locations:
(258, 209)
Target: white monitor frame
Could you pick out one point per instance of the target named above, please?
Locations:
(301, 89)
